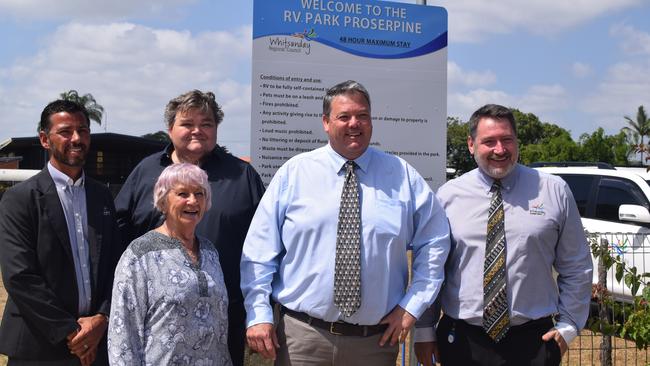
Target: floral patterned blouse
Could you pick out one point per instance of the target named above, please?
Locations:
(165, 309)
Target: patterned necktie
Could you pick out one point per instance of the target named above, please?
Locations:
(347, 271)
(496, 321)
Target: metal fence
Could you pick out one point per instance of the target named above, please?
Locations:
(594, 348)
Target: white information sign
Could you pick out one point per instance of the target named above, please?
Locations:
(397, 51)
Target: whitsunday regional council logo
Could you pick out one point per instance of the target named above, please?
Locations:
(296, 43)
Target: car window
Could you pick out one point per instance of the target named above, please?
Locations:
(613, 192)
(580, 186)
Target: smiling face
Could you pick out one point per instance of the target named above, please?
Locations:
(349, 125)
(185, 205)
(495, 147)
(67, 141)
(193, 134)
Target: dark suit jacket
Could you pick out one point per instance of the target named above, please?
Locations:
(38, 269)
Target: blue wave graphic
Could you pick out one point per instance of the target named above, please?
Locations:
(434, 45)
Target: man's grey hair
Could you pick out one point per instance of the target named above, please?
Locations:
(346, 87)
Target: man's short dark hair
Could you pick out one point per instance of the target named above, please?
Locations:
(58, 106)
(346, 87)
(494, 111)
(193, 99)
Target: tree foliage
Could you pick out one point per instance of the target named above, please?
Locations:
(458, 156)
(95, 110)
(639, 126)
(530, 130)
(158, 136)
(636, 325)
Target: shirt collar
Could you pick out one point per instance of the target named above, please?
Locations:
(63, 180)
(166, 157)
(339, 161)
(507, 183)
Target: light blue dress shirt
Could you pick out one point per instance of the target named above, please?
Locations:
(73, 199)
(290, 249)
(543, 233)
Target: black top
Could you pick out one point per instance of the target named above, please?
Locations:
(236, 192)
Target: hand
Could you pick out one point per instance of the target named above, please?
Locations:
(87, 337)
(89, 357)
(399, 323)
(261, 338)
(554, 334)
(424, 351)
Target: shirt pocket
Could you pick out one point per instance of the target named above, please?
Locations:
(385, 219)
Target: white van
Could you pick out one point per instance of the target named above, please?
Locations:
(614, 204)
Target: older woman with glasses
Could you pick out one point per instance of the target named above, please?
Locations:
(169, 303)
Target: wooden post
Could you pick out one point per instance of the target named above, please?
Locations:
(606, 343)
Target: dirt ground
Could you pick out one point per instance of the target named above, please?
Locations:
(583, 351)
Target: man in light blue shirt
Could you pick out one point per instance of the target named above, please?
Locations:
(290, 251)
(542, 234)
(72, 195)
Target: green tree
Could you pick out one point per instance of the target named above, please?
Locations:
(542, 141)
(597, 147)
(555, 148)
(621, 148)
(95, 110)
(458, 156)
(632, 139)
(158, 136)
(640, 126)
(530, 129)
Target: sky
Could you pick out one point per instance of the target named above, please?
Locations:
(580, 64)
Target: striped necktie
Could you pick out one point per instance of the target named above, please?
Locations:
(496, 321)
(347, 270)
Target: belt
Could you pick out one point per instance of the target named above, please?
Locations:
(546, 321)
(337, 328)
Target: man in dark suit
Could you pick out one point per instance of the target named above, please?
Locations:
(58, 248)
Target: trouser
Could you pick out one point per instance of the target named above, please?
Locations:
(236, 331)
(465, 345)
(304, 345)
(18, 362)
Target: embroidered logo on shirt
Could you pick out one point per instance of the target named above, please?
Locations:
(537, 209)
(107, 212)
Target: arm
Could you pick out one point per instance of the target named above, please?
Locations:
(574, 267)
(430, 242)
(255, 185)
(424, 335)
(130, 301)
(124, 207)
(259, 263)
(22, 277)
(93, 328)
(112, 248)
(260, 260)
